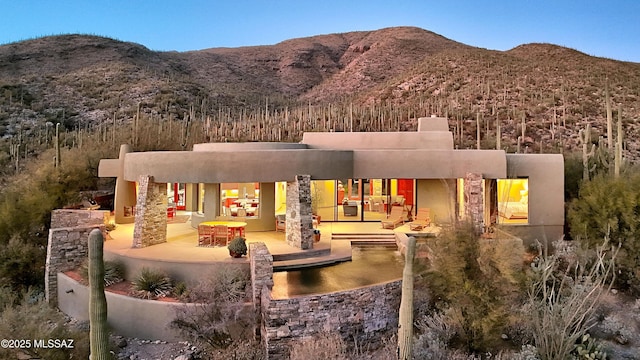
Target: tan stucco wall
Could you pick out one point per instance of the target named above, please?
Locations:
(233, 147)
(127, 316)
(431, 140)
(439, 196)
(240, 166)
(546, 194)
(428, 164)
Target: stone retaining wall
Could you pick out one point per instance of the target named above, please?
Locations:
(364, 315)
(67, 244)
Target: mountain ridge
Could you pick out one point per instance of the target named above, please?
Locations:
(84, 80)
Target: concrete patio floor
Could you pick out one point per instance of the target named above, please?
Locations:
(182, 240)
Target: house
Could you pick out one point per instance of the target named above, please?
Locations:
(523, 193)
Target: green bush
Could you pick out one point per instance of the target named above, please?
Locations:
(238, 246)
(32, 318)
(152, 284)
(610, 208)
(22, 264)
(473, 283)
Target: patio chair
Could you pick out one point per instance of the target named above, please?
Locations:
(204, 235)
(281, 223)
(220, 235)
(396, 218)
(422, 219)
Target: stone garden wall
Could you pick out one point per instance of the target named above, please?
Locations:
(67, 245)
(261, 262)
(363, 314)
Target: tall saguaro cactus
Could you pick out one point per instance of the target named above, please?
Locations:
(98, 334)
(57, 145)
(585, 138)
(405, 322)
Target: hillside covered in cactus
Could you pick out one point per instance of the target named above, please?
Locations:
(115, 92)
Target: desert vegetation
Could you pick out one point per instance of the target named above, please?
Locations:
(59, 117)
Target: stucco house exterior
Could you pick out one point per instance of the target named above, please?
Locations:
(368, 172)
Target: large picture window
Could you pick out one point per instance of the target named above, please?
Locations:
(513, 201)
(240, 199)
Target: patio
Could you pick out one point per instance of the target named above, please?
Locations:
(182, 244)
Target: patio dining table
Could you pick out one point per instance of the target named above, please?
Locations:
(235, 227)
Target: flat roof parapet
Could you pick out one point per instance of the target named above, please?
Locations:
(433, 124)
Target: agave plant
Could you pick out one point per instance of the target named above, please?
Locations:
(152, 284)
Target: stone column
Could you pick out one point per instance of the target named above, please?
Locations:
(150, 226)
(299, 218)
(473, 203)
(261, 270)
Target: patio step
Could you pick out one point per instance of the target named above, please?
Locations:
(301, 255)
(363, 239)
(296, 264)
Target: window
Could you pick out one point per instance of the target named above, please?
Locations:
(513, 201)
(240, 199)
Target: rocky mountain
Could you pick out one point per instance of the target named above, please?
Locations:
(398, 73)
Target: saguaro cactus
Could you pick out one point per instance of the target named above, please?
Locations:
(585, 139)
(405, 323)
(98, 334)
(57, 145)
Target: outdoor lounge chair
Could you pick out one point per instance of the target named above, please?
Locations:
(396, 218)
(422, 219)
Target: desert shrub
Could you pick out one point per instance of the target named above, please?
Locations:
(22, 264)
(610, 207)
(151, 284)
(32, 318)
(180, 290)
(219, 317)
(562, 300)
(320, 346)
(113, 272)
(473, 283)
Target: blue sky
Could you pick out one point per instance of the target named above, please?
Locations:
(601, 28)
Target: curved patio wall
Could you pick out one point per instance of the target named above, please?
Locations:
(364, 315)
(127, 316)
(189, 272)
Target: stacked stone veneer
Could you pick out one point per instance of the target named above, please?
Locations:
(67, 244)
(299, 227)
(473, 197)
(363, 314)
(150, 227)
(261, 270)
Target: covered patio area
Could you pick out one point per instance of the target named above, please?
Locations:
(181, 254)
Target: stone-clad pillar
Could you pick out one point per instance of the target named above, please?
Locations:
(473, 204)
(261, 262)
(299, 218)
(150, 226)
